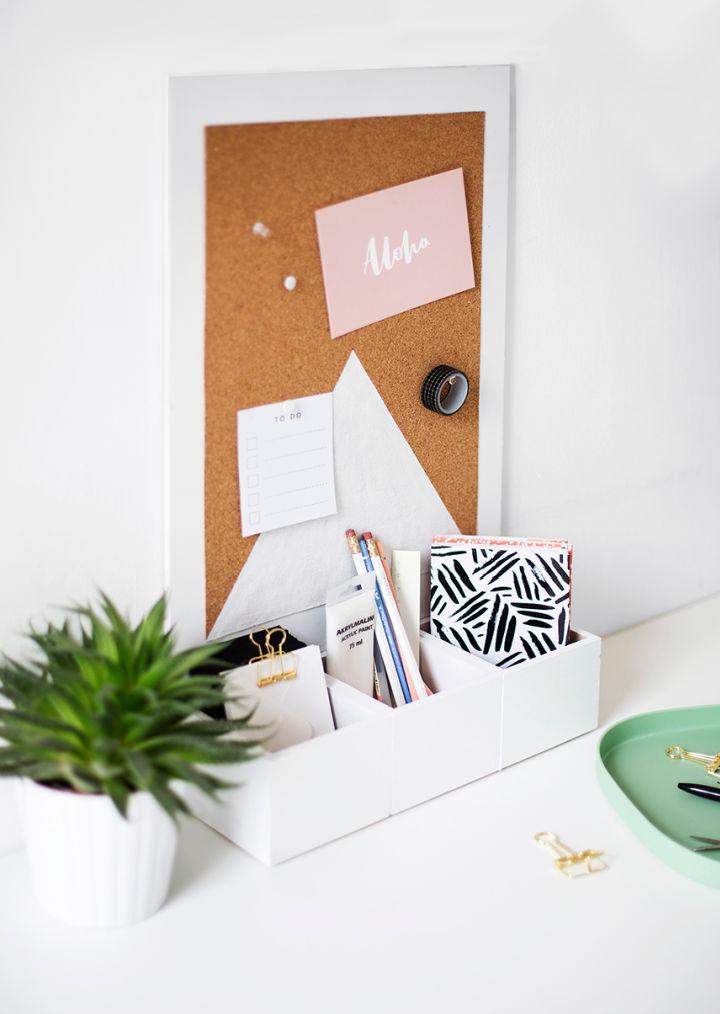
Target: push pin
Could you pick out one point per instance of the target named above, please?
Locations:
(290, 282)
(261, 230)
(572, 864)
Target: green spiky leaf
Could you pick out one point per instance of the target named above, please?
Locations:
(102, 706)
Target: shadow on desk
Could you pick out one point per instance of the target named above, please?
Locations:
(203, 856)
(620, 681)
(626, 679)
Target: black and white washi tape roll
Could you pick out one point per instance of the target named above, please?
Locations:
(445, 390)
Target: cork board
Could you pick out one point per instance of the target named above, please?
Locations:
(264, 344)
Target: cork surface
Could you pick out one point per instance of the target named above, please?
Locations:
(265, 344)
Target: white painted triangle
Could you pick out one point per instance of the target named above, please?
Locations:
(380, 486)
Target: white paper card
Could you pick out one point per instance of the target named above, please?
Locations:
(405, 571)
(285, 462)
(293, 710)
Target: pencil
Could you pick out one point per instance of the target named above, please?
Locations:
(384, 600)
(380, 628)
(410, 667)
(388, 575)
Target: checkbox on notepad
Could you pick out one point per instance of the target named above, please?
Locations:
(252, 461)
(254, 499)
(253, 480)
(251, 444)
(254, 517)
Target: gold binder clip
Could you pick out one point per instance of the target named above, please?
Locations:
(276, 664)
(710, 762)
(572, 864)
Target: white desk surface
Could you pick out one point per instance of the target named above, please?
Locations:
(448, 907)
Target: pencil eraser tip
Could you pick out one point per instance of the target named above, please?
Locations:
(350, 532)
(367, 535)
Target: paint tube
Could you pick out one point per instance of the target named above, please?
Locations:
(350, 626)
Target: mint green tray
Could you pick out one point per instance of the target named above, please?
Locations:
(641, 783)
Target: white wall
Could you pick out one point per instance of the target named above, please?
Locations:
(613, 420)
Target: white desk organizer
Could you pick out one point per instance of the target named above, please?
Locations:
(479, 720)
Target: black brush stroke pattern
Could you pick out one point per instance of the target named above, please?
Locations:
(506, 604)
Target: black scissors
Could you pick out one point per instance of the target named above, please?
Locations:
(711, 844)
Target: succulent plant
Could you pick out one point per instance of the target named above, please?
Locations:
(102, 706)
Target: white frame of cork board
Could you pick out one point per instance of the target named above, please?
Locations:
(198, 102)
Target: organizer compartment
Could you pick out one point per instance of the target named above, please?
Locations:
(291, 801)
(551, 699)
(451, 738)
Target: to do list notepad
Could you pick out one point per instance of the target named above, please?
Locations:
(285, 463)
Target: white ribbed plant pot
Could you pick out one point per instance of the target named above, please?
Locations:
(90, 866)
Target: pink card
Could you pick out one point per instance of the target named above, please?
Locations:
(395, 249)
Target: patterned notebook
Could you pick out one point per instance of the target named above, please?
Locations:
(505, 599)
